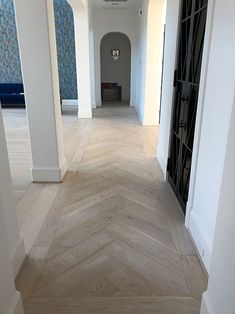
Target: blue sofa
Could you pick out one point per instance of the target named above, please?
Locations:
(11, 94)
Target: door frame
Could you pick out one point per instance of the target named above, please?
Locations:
(99, 33)
(169, 66)
(200, 108)
(179, 197)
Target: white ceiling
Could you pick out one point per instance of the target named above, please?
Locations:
(115, 4)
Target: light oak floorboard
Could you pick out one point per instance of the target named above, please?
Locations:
(114, 305)
(110, 238)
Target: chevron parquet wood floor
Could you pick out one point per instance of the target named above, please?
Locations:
(113, 240)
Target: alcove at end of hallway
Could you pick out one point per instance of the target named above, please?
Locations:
(115, 69)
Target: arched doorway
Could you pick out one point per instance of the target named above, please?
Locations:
(115, 55)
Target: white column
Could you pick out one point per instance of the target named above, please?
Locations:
(83, 57)
(16, 244)
(92, 67)
(37, 42)
(10, 299)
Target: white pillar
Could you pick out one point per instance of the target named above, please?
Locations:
(10, 299)
(16, 244)
(83, 57)
(92, 68)
(37, 42)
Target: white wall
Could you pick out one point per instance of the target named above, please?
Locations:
(218, 103)
(150, 49)
(141, 62)
(15, 242)
(11, 245)
(10, 299)
(116, 71)
(115, 20)
(220, 295)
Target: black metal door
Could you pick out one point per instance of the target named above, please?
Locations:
(186, 82)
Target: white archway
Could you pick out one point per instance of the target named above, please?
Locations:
(98, 66)
(120, 71)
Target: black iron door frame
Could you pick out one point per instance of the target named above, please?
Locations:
(192, 22)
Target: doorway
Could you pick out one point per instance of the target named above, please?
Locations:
(115, 52)
(192, 26)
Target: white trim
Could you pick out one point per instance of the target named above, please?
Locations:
(70, 102)
(189, 208)
(206, 307)
(139, 114)
(84, 115)
(16, 306)
(49, 174)
(18, 257)
(163, 166)
(200, 242)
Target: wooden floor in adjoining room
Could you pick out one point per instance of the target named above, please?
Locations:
(112, 238)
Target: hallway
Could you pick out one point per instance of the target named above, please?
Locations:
(113, 240)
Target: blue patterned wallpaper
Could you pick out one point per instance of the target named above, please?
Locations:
(10, 69)
(65, 49)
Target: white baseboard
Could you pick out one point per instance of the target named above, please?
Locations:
(70, 102)
(206, 307)
(70, 105)
(73, 105)
(16, 306)
(84, 115)
(139, 114)
(50, 174)
(163, 165)
(200, 242)
(18, 257)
